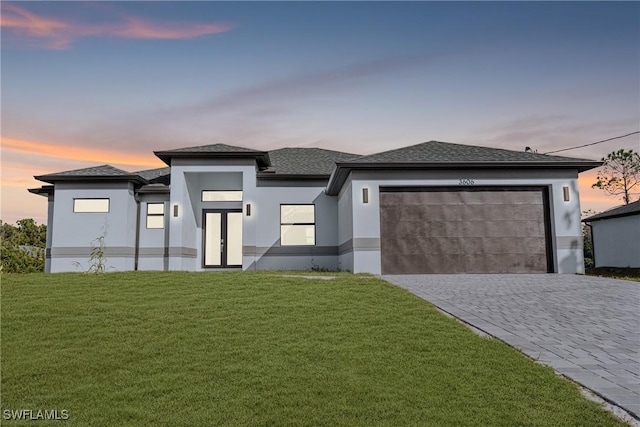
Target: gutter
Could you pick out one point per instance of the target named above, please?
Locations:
(53, 178)
(137, 244)
(281, 176)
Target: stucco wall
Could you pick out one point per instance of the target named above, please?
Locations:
(266, 251)
(345, 228)
(188, 178)
(616, 242)
(565, 216)
(261, 230)
(73, 233)
(47, 259)
(154, 242)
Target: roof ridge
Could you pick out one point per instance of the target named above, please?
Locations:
(411, 148)
(313, 148)
(218, 144)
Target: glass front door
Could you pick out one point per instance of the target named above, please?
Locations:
(222, 238)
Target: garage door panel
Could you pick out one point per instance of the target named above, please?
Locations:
(460, 231)
(416, 264)
(474, 245)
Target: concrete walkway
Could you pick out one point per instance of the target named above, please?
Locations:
(586, 328)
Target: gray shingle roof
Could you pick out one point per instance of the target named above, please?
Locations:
(624, 210)
(306, 161)
(151, 174)
(436, 151)
(102, 170)
(214, 151)
(212, 148)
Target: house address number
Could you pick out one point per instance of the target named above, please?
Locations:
(466, 182)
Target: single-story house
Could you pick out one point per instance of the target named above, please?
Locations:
(433, 207)
(616, 236)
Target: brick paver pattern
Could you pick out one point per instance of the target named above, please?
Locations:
(586, 328)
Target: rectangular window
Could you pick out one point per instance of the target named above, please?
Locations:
(221, 196)
(297, 225)
(155, 215)
(90, 205)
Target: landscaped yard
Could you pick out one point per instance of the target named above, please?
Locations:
(196, 349)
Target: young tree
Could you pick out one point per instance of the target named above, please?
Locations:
(620, 174)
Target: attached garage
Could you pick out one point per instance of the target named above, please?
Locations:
(449, 230)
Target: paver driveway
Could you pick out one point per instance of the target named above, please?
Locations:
(586, 328)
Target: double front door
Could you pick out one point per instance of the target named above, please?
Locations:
(222, 238)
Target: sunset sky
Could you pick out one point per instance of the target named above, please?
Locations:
(85, 84)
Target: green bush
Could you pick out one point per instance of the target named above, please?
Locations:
(23, 247)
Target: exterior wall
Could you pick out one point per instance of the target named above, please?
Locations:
(47, 251)
(345, 228)
(261, 230)
(263, 251)
(189, 177)
(153, 252)
(72, 233)
(565, 216)
(615, 242)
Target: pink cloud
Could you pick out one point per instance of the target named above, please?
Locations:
(54, 33)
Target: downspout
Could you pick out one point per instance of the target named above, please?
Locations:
(137, 247)
(593, 244)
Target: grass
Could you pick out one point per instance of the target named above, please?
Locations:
(616, 273)
(187, 349)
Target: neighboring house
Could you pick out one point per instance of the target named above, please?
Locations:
(616, 236)
(434, 207)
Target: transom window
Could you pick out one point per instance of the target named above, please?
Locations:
(297, 225)
(90, 205)
(155, 215)
(221, 196)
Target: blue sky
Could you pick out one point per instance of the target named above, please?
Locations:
(109, 82)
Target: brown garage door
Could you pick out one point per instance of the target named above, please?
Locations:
(464, 230)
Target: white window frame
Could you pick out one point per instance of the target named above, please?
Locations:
(79, 209)
(298, 223)
(155, 215)
(221, 196)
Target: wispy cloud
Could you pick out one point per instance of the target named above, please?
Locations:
(51, 33)
(69, 152)
(302, 86)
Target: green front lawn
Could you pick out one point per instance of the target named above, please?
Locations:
(196, 349)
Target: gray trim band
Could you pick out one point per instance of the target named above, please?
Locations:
(121, 251)
(184, 252)
(157, 252)
(85, 252)
(359, 244)
(289, 251)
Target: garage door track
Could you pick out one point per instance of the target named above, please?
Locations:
(586, 328)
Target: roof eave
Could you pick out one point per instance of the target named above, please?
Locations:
(587, 220)
(262, 157)
(292, 177)
(52, 179)
(342, 170)
(45, 190)
(151, 189)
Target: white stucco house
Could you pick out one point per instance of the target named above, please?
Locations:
(433, 207)
(616, 236)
